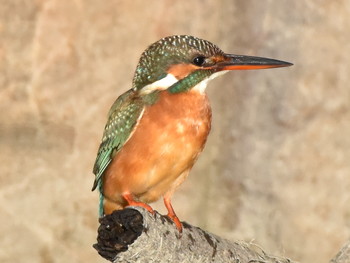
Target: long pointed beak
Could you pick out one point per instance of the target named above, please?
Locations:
(241, 62)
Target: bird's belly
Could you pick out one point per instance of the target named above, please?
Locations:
(164, 145)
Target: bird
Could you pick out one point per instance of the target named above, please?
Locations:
(156, 130)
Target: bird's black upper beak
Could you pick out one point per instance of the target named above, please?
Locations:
(241, 62)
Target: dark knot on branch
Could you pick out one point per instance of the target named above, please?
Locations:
(117, 231)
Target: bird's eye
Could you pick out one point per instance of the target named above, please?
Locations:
(199, 61)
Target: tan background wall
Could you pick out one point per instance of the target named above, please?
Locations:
(276, 168)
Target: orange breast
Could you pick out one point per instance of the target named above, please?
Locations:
(165, 144)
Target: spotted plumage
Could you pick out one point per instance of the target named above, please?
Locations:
(168, 51)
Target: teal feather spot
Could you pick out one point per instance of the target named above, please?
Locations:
(162, 76)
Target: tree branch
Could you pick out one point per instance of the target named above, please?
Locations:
(343, 255)
(135, 235)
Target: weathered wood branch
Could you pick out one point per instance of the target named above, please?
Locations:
(135, 235)
(343, 255)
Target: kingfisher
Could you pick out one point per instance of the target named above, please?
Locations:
(156, 130)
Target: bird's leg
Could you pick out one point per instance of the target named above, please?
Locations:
(171, 213)
(131, 202)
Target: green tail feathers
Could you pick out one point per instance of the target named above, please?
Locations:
(100, 206)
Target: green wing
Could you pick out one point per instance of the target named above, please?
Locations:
(122, 118)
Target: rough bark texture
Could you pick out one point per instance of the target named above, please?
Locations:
(135, 235)
(343, 255)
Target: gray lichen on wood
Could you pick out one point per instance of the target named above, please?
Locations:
(135, 235)
(343, 255)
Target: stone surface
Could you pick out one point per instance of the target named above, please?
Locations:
(275, 169)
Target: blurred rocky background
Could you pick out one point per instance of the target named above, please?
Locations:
(276, 168)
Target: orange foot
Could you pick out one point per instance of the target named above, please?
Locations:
(172, 215)
(131, 202)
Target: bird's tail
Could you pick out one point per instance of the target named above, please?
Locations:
(100, 205)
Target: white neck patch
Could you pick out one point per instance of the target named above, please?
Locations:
(161, 84)
(170, 79)
(201, 86)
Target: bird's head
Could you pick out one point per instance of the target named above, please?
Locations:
(179, 63)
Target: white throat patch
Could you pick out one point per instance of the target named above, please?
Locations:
(161, 84)
(170, 79)
(201, 86)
